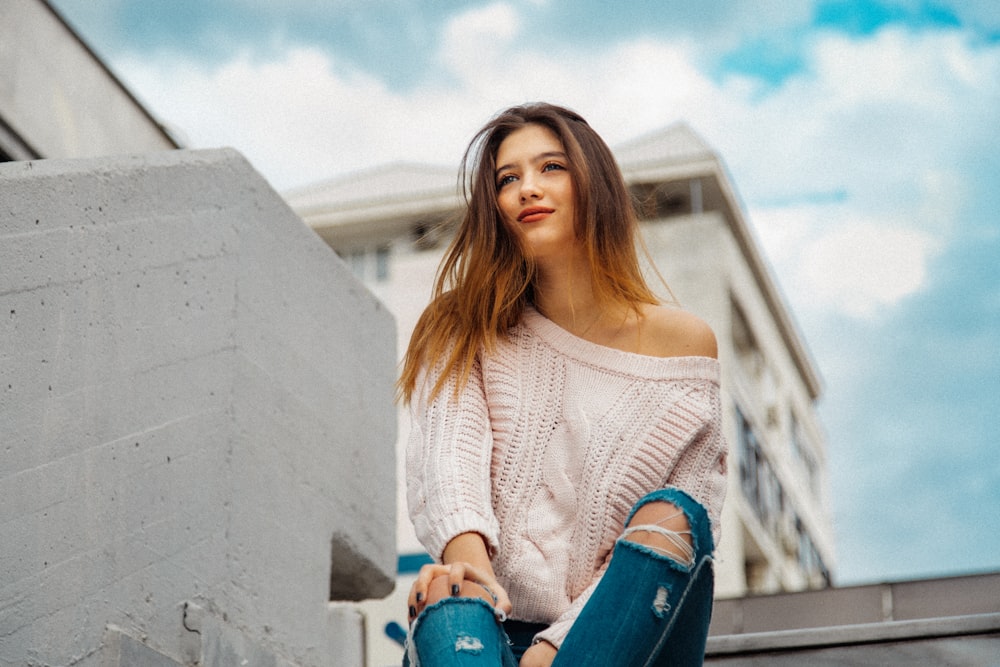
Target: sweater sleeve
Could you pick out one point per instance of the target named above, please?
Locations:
(701, 468)
(448, 459)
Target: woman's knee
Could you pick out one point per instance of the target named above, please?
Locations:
(672, 523)
(664, 528)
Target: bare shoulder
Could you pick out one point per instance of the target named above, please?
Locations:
(672, 332)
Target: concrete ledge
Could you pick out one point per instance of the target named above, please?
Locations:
(868, 633)
(854, 605)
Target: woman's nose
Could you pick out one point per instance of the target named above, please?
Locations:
(530, 189)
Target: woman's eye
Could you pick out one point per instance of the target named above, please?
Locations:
(552, 165)
(505, 179)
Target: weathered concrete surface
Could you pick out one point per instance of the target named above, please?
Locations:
(196, 411)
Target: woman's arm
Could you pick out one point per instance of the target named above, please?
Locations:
(448, 465)
(449, 494)
(701, 469)
(468, 548)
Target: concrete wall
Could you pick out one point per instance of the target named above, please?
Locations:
(57, 99)
(197, 442)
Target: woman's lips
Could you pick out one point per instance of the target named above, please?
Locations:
(534, 214)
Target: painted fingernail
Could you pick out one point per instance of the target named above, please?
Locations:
(413, 611)
(420, 597)
(454, 589)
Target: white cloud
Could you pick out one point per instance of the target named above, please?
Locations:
(885, 124)
(877, 119)
(306, 117)
(498, 21)
(831, 261)
(866, 115)
(282, 114)
(476, 41)
(863, 267)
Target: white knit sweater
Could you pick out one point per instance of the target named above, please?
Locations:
(545, 452)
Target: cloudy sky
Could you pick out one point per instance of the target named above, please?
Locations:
(863, 139)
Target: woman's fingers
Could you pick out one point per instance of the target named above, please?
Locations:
(417, 599)
(456, 577)
(435, 582)
(503, 602)
(489, 582)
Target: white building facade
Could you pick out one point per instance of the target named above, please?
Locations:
(392, 225)
(58, 99)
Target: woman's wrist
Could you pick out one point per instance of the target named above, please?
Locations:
(468, 548)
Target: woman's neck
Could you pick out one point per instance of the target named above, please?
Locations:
(565, 295)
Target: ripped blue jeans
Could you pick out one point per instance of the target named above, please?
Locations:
(648, 610)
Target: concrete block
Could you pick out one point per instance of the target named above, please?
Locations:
(196, 397)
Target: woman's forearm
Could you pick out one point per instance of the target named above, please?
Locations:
(468, 548)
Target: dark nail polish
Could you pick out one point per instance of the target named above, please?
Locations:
(420, 597)
(413, 611)
(455, 589)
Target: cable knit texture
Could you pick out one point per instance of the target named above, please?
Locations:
(546, 450)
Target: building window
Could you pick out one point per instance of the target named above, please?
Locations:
(754, 469)
(748, 353)
(765, 494)
(759, 375)
(809, 559)
(356, 260)
(656, 201)
(366, 265)
(802, 451)
(382, 263)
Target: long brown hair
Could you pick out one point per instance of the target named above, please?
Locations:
(485, 280)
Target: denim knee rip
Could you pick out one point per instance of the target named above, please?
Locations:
(699, 526)
(661, 606)
(687, 558)
(468, 644)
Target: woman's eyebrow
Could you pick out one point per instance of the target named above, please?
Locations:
(538, 158)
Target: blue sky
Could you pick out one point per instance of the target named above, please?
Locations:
(861, 136)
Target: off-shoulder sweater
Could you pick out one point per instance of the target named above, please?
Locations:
(547, 448)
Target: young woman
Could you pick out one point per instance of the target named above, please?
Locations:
(566, 468)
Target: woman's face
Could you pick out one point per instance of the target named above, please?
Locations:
(535, 192)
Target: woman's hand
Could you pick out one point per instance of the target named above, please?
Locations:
(459, 579)
(539, 655)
